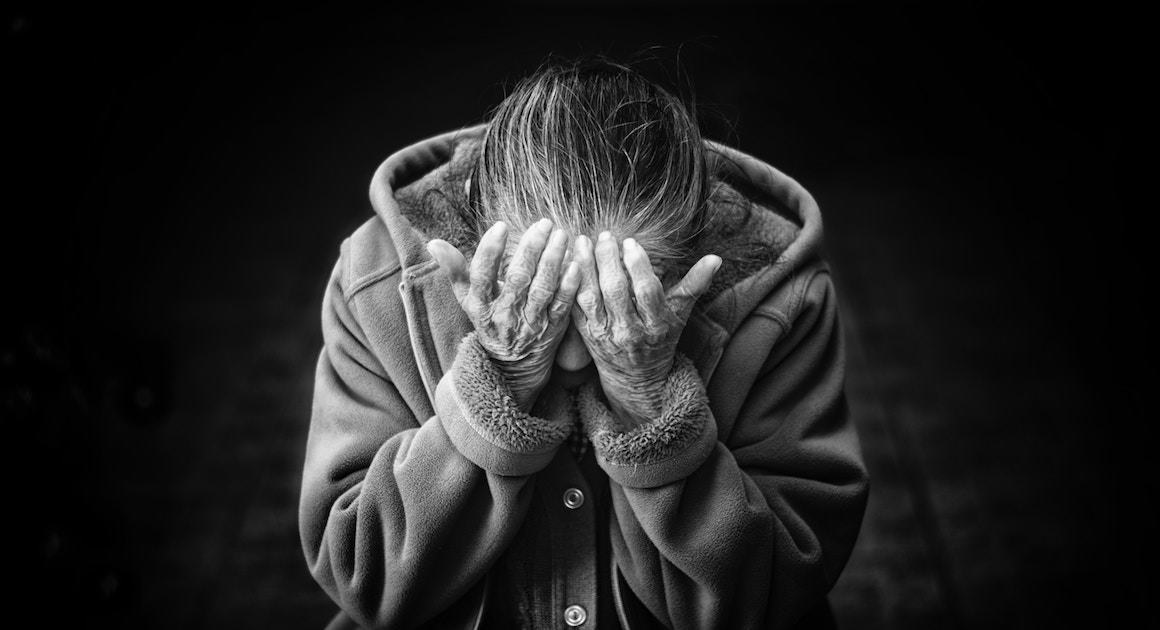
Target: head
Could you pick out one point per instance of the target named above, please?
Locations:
(595, 145)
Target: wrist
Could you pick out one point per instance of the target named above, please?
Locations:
(633, 414)
(634, 401)
(669, 447)
(524, 382)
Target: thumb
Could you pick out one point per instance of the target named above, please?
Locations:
(684, 295)
(452, 262)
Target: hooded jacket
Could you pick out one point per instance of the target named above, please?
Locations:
(430, 500)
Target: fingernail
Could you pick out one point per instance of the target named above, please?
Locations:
(629, 242)
(544, 224)
(605, 235)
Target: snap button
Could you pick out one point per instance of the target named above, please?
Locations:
(573, 498)
(575, 615)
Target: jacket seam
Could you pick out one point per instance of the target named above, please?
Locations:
(805, 287)
(800, 288)
(371, 279)
(774, 315)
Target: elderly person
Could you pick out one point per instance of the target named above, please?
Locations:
(582, 369)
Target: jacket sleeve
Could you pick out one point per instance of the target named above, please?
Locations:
(751, 533)
(400, 517)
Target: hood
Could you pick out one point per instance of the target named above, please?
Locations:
(762, 223)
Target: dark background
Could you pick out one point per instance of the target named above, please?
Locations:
(178, 184)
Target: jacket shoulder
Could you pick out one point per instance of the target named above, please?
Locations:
(798, 290)
(368, 256)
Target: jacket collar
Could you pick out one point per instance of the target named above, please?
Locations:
(730, 307)
(435, 321)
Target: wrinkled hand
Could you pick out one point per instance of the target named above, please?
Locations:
(521, 320)
(630, 324)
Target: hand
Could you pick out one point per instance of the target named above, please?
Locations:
(521, 320)
(630, 324)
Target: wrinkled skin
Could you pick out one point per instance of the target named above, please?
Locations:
(630, 324)
(521, 320)
(609, 308)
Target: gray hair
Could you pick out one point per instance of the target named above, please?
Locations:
(593, 145)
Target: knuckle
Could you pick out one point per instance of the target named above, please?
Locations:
(474, 308)
(502, 304)
(595, 330)
(655, 307)
(527, 258)
(614, 286)
(587, 300)
(558, 309)
(518, 278)
(532, 316)
(547, 275)
(650, 284)
(540, 293)
(480, 281)
(502, 319)
(563, 301)
(654, 335)
(623, 336)
(482, 264)
(528, 334)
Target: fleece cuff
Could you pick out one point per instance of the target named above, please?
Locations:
(659, 452)
(476, 408)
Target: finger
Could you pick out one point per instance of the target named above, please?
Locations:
(650, 293)
(546, 282)
(453, 264)
(565, 296)
(683, 296)
(613, 283)
(589, 303)
(522, 267)
(485, 264)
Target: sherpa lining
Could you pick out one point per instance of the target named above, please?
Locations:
(490, 409)
(747, 229)
(749, 236)
(435, 204)
(683, 418)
